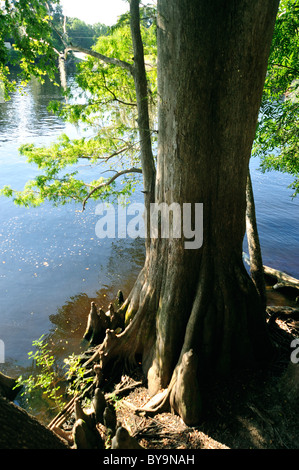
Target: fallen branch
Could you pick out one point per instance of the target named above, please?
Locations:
(282, 279)
(124, 390)
(68, 409)
(63, 414)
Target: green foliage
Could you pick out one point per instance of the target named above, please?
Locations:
(60, 165)
(76, 374)
(115, 400)
(103, 101)
(28, 25)
(81, 34)
(277, 137)
(46, 379)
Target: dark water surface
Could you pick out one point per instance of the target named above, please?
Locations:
(51, 261)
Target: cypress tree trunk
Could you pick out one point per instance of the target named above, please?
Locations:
(195, 314)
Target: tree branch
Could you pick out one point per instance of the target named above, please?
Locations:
(286, 67)
(114, 95)
(97, 55)
(118, 152)
(108, 157)
(106, 183)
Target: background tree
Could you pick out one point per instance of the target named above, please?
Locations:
(82, 34)
(277, 140)
(36, 31)
(108, 107)
(28, 24)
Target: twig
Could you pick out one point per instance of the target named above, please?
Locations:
(129, 405)
(114, 95)
(107, 183)
(61, 417)
(124, 390)
(286, 67)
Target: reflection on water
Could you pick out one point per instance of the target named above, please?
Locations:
(26, 115)
(69, 323)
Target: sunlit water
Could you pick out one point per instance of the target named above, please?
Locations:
(52, 263)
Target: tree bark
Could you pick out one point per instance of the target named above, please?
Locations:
(19, 430)
(194, 315)
(254, 248)
(141, 87)
(62, 71)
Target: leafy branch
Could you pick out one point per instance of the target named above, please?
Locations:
(107, 183)
(97, 55)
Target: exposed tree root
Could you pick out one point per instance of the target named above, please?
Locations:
(182, 395)
(160, 403)
(166, 347)
(136, 337)
(123, 440)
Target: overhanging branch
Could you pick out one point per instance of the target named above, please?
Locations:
(114, 95)
(97, 55)
(294, 69)
(106, 183)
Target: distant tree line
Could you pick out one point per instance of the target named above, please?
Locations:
(76, 30)
(62, 29)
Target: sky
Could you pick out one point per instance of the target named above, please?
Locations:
(95, 11)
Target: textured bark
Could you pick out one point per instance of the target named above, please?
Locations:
(140, 80)
(62, 71)
(198, 310)
(254, 248)
(19, 430)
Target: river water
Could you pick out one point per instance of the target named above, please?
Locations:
(51, 262)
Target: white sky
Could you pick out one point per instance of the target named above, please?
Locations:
(95, 11)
